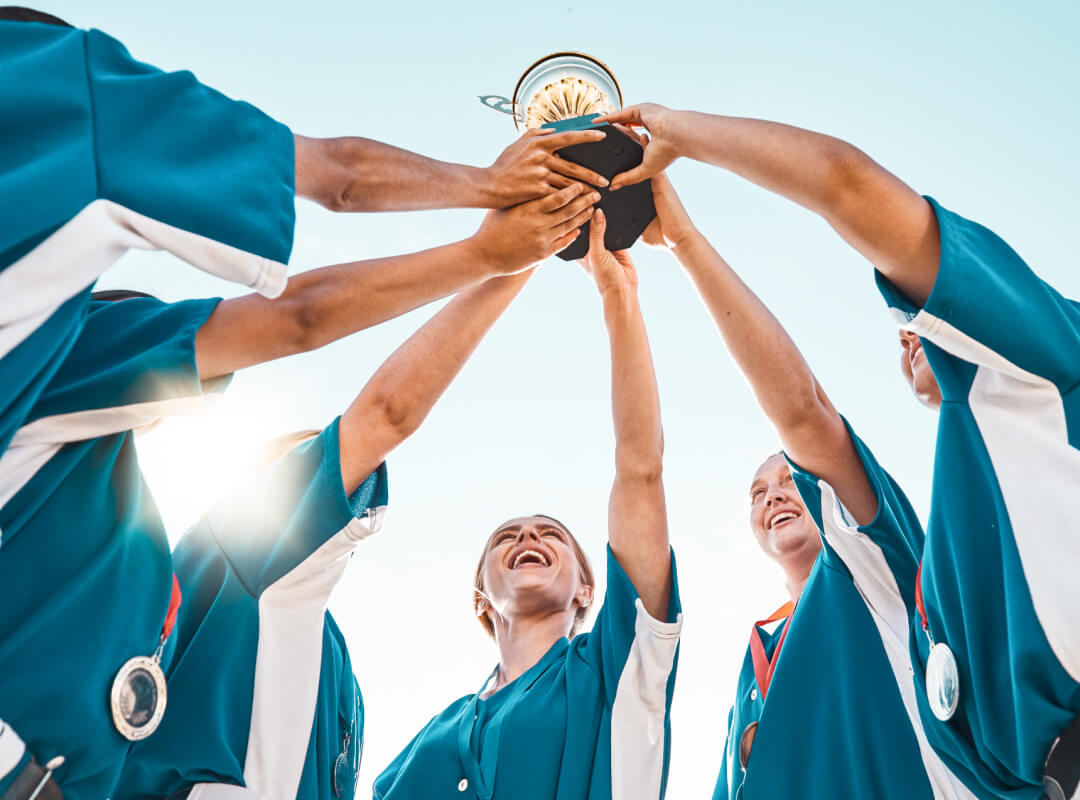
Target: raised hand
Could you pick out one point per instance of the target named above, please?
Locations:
(515, 238)
(661, 151)
(612, 271)
(672, 226)
(530, 167)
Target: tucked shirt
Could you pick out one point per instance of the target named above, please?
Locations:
(591, 719)
(999, 567)
(85, 568)
(103, 153)
(839, 719)
(261, 688)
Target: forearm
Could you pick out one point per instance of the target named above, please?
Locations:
(323, 305)
(780, 378)
(637, 514)
(873, 210)
(402, 392)
(356, 174)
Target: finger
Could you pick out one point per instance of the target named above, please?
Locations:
(629, 132)
(573, 208)
(557, 141)
(573, 223)
(563, 242)
(596, 232)
(560, 198)
(630, 177)
(558, 181)
(572, 170)
(629, 115)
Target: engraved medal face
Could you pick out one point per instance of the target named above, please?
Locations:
(942, 681)
(138, 698)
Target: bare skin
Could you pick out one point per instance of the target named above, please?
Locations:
(811, 429)
(532, 607)
(356, 174)
(872, 209)
(323, 305)
(398, 397)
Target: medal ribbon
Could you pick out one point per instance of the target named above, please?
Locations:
(763, 665)
(919, 601)
(174, 608)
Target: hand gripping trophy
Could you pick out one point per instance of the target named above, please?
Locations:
(566, 92)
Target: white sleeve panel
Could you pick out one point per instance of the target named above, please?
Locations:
(72, 258)
(639, 713)
(11, 749)
(288, 662)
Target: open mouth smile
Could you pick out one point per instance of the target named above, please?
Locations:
(780, 518)
(529, 557)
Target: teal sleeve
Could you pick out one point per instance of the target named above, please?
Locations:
(607, 646)
(987, 305)
(176, 151)
(285, 513)
(130, 352)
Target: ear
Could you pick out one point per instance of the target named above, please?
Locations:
(584, 596)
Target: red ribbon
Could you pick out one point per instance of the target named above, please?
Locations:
(918, 599)
(763, 665)
(174, 608)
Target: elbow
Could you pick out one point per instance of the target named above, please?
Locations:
(392, 417)
(848, 171)
(641, 466)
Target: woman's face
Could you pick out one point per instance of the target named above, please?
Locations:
(917, 370)
(530, 569)
(781, 524)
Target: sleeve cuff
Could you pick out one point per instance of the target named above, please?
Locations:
(13, 755)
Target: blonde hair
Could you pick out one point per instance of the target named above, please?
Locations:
(583, 563)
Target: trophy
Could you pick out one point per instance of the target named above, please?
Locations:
(566, 92)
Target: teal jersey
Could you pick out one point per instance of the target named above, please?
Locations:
(999, 567)
(117, 154)
(261, 689)
(84, 560)
(589, 721)
(839, 720)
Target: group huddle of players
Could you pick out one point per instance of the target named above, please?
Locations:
(908, 663)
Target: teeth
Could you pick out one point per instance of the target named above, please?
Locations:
(781, 518)
(538, 555)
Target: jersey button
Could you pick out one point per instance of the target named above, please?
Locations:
(463, 784)
(753, 694)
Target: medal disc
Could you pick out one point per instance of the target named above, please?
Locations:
(138, 698)
(340, 778)
(942, 681)
(746, 742)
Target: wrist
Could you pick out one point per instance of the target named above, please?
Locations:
(478, 251)
(687, 244)
(486, 190)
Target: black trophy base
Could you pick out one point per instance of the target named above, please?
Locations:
(628, 210)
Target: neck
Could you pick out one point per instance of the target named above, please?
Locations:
(523, 642)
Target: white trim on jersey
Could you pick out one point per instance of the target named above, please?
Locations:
(640, 708)
(11, 749)
(77, 253)
(876, 584)
(1021, 418)
(34, 444)
(288, 663)
(223, 791)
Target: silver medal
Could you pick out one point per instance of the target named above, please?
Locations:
(942, 681)
(138, 697)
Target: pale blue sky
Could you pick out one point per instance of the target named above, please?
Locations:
(974, 103)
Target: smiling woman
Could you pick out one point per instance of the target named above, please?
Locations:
(536, 541)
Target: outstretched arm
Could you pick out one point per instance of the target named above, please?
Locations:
(637, 514)
(323, 305)
(812, 432)
(873, 210)
(355, 174)
(404, 389)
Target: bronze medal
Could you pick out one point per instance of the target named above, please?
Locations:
(746, 742)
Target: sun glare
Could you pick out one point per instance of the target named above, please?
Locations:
(190, 462)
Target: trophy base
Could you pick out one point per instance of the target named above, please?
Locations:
(630, 209)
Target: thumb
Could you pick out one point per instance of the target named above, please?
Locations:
(597, 228)
(630, 177)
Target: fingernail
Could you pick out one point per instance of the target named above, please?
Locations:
(599, 214)
(604, 181)
(594, 197)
